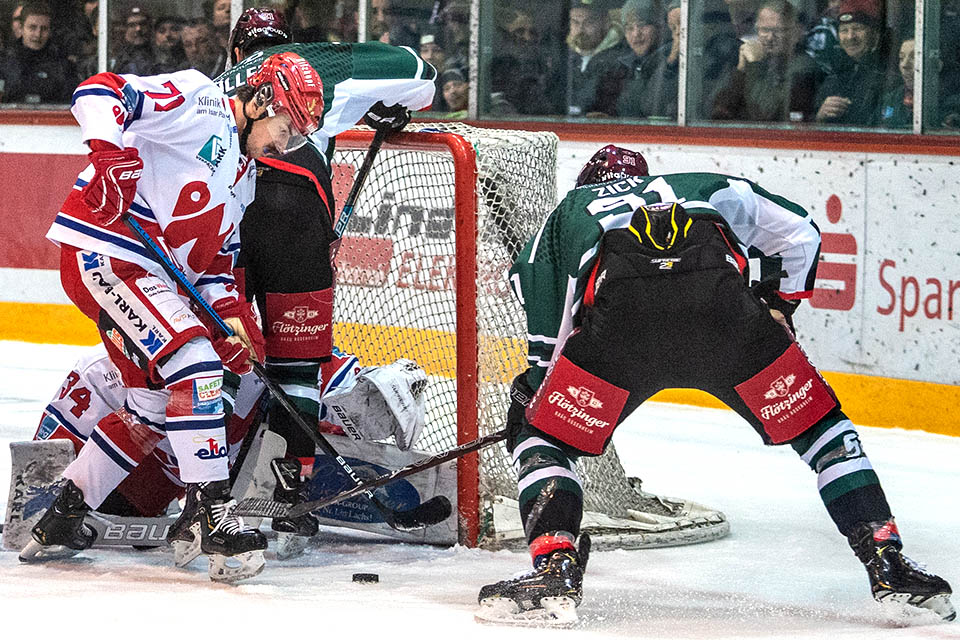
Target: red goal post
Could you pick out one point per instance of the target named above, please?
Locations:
(421, 274)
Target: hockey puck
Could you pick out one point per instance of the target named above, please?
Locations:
(366, 578)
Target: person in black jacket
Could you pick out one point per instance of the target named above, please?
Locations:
(852, 94)
(33, 69)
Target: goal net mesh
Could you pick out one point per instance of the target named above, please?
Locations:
(395, 295)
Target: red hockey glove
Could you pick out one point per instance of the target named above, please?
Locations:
(110, 192)
(246, 344)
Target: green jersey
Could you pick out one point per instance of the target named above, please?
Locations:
(549, 276)
(355, 77)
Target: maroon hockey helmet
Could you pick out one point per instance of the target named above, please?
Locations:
(258, 26)
(611, 163)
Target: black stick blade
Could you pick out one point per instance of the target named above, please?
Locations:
(433, 511)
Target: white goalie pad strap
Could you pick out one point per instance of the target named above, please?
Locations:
(385, 401)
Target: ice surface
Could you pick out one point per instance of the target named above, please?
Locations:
(784, 571)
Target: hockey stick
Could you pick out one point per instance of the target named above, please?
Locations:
(433, 511)
(347, 211)
(265, 508)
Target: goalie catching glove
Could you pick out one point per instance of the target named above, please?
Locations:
(385, 401)
(114, 184)
(392, 118)
(246, 343)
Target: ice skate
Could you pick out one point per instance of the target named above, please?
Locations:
(61, 532)
(894, 578)
(235, 552)
(546, 596)
(293, 533)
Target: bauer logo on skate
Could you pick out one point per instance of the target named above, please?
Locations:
(212, 448)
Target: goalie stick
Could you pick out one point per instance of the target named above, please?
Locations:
(431, 512)
(264, 508)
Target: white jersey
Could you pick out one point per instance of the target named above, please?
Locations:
(195, 185)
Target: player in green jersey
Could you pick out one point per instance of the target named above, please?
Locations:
(636, 283)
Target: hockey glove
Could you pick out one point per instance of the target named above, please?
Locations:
(393, 118)
(114, 184)
(766, 291)
(520, 396)
(246, 343)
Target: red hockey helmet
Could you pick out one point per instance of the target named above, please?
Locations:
(610, 163)
(261, 26)
(293, 93)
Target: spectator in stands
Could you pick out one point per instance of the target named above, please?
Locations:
(33, 70)
(219, 12)
(431, 50)
(851, 95)
(593, 46)
(201, 49)
(742, 16)
(503, 86)
(88, 60)
(655, 95)
(642, 31)
(456, 91)
(311, 20)
(896, 109)
(536, 82)
(380, 19)
(168, 46)
(821, 41)
(455, 21)
(775, 80)
(135, 53)
(16, 24)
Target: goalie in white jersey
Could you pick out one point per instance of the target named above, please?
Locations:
(175, 152)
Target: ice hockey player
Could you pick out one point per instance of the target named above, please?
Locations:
(176, 152)
(634, 284)
(287, 233)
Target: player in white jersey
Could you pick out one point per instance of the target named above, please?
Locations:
(94, 389)
(175, 152)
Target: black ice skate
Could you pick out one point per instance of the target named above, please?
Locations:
(293, 532)
(548, 595)
(61, 532)
(895, 578)
(235, 551)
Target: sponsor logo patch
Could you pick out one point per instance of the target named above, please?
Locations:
(584, 397)
(91, 260)
(301, 314)
(211, 448)
(206, 395)
(212, 153)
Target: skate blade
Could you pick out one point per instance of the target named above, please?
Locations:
(33, 551)
(558, 612)
(184, 551)
(902, 607)
(235, 568)
(289, 545)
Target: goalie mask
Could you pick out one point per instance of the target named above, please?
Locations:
(292, 92)
(612, 163)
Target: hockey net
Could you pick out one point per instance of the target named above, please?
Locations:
(421, 275)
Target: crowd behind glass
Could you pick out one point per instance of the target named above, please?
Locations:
(782, 63)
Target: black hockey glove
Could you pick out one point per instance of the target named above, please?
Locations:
(766, 290)
(520, 396)
(392, 118)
